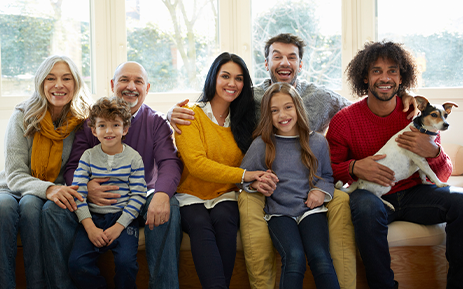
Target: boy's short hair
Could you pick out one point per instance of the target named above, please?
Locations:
(110, 108)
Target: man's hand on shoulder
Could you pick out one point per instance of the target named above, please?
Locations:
(99, 194)
(178, 114)
(158, 211)
(418, 143)
(409, 102)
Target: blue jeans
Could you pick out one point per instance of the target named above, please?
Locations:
(294, 242)
(22, 214)
(213, 241)
(422, 204)
(83, 260)
(162, 246)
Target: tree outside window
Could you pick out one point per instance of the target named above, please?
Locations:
(32, 30)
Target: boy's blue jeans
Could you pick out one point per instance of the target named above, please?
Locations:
(294, 242)
(83, 267)
(162, 246)
(422, 204)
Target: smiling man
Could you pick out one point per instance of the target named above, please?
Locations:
(383, 71)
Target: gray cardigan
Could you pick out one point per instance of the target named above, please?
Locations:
(16, 179)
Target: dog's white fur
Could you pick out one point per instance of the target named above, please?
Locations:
(403, 162)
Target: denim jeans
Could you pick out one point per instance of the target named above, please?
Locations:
(25, 216)
(294, 242)
(423, 204)
(213, 241)
(9, 222)
(84, 255)
(162, 246)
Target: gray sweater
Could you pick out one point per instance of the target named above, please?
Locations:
(292, 189)
(126, 172)
(320, 103)
(16, 179)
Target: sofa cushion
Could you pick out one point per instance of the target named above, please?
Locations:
(455, 152)
(400, 234)
(410, 234)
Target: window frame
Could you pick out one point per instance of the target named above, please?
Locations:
(109, 46)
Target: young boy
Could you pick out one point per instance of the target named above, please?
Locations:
(111, 227)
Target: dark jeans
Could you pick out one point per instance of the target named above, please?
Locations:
(23, 215)
(83, 267)
(422, 204)
(162, 246)
(294, 242)
(213, 241)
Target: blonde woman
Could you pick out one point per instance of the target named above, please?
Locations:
(38, 142)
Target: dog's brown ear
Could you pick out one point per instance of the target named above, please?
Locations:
(422, 102)
(448, 106)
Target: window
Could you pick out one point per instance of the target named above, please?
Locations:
(177, 46)
(318, 22)
(433, 34)
(32, 30)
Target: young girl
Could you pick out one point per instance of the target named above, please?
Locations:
(212, 148)
(295, 212)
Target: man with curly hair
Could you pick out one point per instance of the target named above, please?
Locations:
(384, 71)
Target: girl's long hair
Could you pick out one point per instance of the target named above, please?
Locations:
(243, 108)
(267, 131)
(36, 106)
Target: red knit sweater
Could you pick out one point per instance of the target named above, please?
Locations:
(356, 133)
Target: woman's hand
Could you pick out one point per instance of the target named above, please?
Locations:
(180, 115)
(267, 176)
(315, 198)
(266, 182)
(63, 196)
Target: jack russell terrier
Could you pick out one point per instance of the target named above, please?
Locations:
(403, 162)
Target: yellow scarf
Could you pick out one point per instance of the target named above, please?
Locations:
(47, 147)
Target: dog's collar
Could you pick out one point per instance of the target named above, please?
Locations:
(417, 124)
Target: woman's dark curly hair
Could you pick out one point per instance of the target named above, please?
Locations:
(357, 70)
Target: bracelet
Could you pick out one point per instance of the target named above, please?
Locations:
(251, 188)
(352, 169)
(242, 177)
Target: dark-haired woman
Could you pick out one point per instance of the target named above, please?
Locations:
(39, 137)
(212, 148)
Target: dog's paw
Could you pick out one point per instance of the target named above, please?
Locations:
(338, 185)
(442, 184)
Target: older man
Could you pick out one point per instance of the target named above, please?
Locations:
(150, 135)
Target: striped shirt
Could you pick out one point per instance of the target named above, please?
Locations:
(125, 171)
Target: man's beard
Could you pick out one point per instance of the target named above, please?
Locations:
(387, 97)
(130, 103)
(275, 80)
